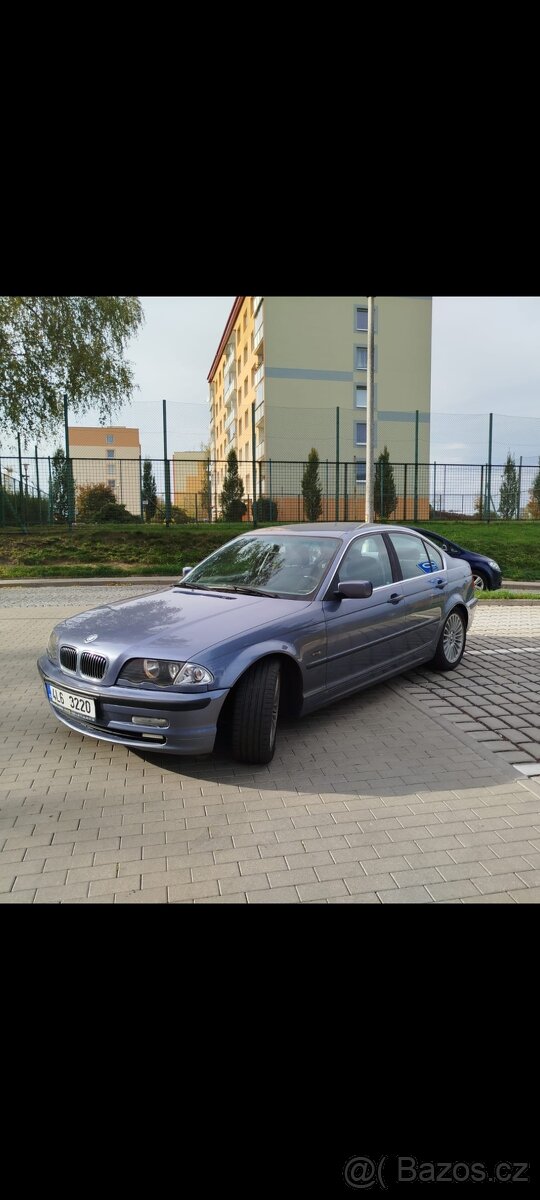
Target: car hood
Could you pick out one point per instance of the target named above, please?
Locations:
(177, 621)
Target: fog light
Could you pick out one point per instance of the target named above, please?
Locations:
(159, 722)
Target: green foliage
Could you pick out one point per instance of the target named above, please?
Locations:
(179, 516)
(59, 486)
(22, 510)
(139, 549)
(265, 510)
(509, 493)
(384, 498)
(206, 493)
(56, 345)
(97, 503)
(149, 491)
(311, 488)
(534, 496)
(231, 499)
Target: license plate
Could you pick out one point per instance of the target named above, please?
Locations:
(81, 706)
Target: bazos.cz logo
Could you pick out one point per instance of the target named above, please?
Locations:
(362, 1173)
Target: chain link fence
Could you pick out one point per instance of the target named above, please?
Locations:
(39, 491)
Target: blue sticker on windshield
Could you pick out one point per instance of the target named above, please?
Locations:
(425, 566)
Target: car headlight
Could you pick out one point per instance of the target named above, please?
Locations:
(493, 564)
(163, 672)
(53, 646)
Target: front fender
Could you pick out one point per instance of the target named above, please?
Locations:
(230, 672)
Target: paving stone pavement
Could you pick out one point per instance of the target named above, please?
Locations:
(392, 796)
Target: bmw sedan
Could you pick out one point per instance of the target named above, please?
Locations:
(277, 620)
(486, 572)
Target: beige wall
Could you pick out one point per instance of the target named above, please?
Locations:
(317, 334)
(88, 451)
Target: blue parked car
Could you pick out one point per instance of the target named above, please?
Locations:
(277, 620)
(487, 573)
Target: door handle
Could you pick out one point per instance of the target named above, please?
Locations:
(395, 598)
(440, 583)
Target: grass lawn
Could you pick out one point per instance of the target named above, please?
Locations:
(115, 550)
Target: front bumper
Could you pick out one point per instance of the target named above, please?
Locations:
(191, 717)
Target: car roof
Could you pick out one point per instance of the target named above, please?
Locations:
(343, 528)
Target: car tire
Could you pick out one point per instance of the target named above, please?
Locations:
(481, 581)
(451, 644)
(255, 713)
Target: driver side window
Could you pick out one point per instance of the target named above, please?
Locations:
(367, 558)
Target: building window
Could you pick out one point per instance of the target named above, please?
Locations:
(246, 451)
(361, 358)
(110, 437)
(110, 453)
(360, 472)
(361, 396)
(361, 319)
(240, 425)
(361, 431)
(111, 483)
(239, 364)
(245, 319)
(245, 387)
(245, 355)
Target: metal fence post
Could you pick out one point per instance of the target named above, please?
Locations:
(405, 492)
(166, 465)
(416, 465)
(254, 467)
(481, 509)
(50, 509)
(2, 496)
(490, 447)
(434, 487)
(345, 495)
(337, 464)
(37, 483)
(519, 488)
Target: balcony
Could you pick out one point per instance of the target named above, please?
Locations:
(231, 431)
(258, 338)
(259, 451)
(259, 375)
(257, 301)
(229, 384)
(259, 413)
(230, 419)
(229, 355)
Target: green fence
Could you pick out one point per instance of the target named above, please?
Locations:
(179, 490)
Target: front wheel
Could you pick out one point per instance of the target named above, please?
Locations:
(255, 713)
(481, 582)
(451, 644)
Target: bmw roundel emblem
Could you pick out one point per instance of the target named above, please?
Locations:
(93, 638)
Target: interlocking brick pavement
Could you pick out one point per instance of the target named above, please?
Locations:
(396, 795)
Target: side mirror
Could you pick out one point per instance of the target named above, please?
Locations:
(186, 571)
(354, 589)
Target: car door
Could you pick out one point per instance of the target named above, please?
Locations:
(364, 637)
(424, 580)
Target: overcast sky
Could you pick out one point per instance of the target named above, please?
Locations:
(485, 358)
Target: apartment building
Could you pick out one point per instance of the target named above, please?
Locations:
(108, 454)
(297, 360)
(190, 483)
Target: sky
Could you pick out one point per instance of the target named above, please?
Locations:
(485, 358)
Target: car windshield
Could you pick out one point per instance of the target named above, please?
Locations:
(266, 564)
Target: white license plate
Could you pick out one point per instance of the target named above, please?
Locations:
(81, 706)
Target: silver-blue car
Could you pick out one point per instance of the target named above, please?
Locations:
(277, 620)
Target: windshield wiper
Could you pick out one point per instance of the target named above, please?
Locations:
(246, 591)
